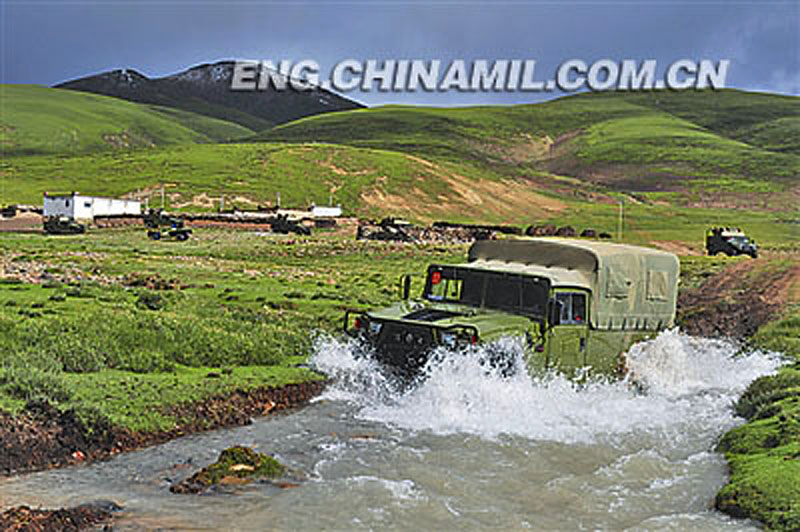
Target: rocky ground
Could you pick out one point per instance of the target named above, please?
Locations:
(23, 518)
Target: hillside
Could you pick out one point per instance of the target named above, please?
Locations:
(40, 120)
(568, 161)
(205, 89)
(728, 148)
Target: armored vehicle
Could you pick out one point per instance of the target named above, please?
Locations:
(576, 305)
(62, 225)
(155, 219)
(729, 241)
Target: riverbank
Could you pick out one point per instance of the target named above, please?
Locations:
(41, 436)
(758, 303)
(25, 519)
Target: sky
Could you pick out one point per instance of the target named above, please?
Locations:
(53, 41)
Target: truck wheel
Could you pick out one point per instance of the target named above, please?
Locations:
(182, 237)
(154, 235)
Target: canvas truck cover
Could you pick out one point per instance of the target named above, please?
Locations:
(633, 288)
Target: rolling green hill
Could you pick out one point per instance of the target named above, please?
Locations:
(727, 148)
(570, 160)
(40, 120)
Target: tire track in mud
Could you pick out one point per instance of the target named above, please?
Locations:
(737, 301)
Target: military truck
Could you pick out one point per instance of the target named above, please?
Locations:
(175, 228)
(731, 241)
(576, 305)
(62, 225)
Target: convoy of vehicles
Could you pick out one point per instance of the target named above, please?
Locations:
(576, 305)
(731, 241)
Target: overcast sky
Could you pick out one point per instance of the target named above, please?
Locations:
(49, 42)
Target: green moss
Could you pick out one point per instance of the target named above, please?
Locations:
(764, 454)
(235, 465)
(258, 465)
(765, 486)
(759, 397)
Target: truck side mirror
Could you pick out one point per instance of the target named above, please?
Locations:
(405, 286)
(554, 312)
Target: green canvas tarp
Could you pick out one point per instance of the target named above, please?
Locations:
(633, 288)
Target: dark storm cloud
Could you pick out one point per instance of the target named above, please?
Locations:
(50, 42)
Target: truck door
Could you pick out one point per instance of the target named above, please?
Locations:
(568, 342)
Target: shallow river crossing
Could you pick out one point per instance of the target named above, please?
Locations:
(465, 449)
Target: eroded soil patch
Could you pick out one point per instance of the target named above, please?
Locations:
(737, 301)
(42, 437)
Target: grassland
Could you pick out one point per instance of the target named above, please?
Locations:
(127, 328)
(40, 120)
(702, 148)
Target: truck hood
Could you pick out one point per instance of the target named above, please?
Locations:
(490, 323)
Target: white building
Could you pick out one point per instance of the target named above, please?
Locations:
(325, 212)
(82, 207)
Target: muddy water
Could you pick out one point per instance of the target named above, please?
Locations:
(463, 450)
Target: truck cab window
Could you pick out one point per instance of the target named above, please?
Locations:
(573, 307)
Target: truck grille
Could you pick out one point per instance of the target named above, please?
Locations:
(404, 347)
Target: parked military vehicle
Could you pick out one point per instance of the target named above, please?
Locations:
(281, 224)
(62, 225)
(173, 227)
(731, 241)
(576, 304)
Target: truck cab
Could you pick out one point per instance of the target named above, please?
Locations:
(576, 305)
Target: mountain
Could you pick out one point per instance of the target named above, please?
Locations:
(41, 120)
(205, 89)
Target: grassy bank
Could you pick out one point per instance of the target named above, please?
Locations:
(764, 454)
(116, 326)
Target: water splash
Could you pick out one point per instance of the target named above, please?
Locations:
(690, 385)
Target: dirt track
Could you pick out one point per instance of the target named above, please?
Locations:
(737, 301)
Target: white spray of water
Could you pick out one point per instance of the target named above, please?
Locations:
(690, 385)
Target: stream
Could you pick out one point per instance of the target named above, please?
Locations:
(464, 449)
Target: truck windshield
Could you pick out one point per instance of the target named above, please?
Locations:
(739, 241)
(510, 292)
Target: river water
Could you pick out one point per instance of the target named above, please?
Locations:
(465, 449)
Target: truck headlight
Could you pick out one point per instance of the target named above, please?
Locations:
(449, 339)
(375, 327)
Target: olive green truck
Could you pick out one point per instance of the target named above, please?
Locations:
(577, 305)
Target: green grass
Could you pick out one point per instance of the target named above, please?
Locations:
(40, 120)
(762, 120)
(247, 311)
(764, 454)
(730, 142)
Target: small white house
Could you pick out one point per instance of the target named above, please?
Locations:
(82, 207)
